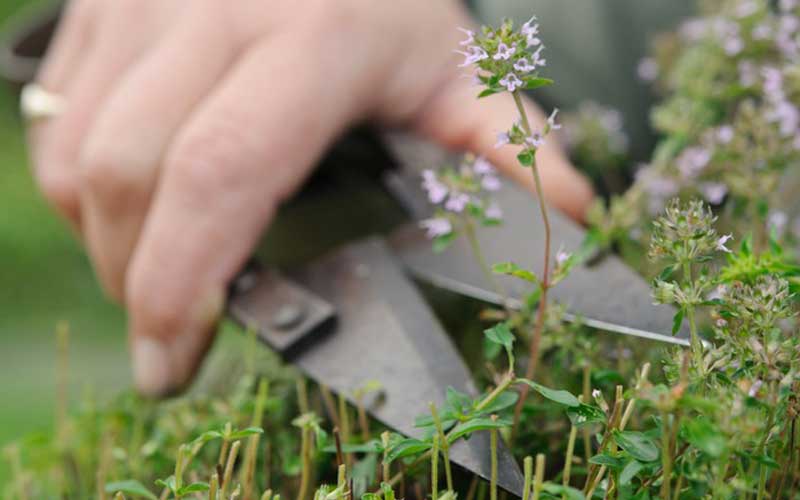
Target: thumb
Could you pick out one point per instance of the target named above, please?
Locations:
(455, 118)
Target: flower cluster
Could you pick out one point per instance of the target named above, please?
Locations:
(461, 194)
(505, 59)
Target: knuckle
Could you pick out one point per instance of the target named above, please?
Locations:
(209, 162)
(59, 189)
(157, 313)
(110, 175)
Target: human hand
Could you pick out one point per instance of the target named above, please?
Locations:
(189, 122)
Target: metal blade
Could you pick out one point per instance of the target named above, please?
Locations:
(384, 332)
(608, 295)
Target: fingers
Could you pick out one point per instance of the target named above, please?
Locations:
(125, 144)
(454, 117)
(249, 144)
(84, 74)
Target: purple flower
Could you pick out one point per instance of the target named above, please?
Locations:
(523, 66)
(511, 82)
(493, 211)
(776, 221)
(714, 192)
(551, 120)
(502, 139)
(733, 45)
(787, 5)
(647, 70)
(531, 31)
(721, 243)
(562, 257)
(504, 52)
(470, 36)
(762, 31)
(473, 55)
(725, 134)
(536, 58)
(748, 74)
(482, 166)
(437, 226)
(746, 9)
(536, 140)
(787, 116)
(456, 202)
(692, 161)
(491, 183)
(717, 293)
(437, 191)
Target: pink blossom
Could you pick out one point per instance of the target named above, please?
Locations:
(473, 55)
(470, 36)
(647, 70)
(725, 134)
(456, 202)
(437, 191)
(714, 192)
(753, 392)
(523, 66)
(531, 31)
(493, 211)
(511, 82)
(437, 226)
(535, 140)
(502, 139)
(482, 166)
(721, 243)
(491, 183)
(504, 52)
(562, 257)
(692, 161)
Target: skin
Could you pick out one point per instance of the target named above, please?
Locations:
(190, 121)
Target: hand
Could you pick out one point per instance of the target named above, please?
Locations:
(190, 121)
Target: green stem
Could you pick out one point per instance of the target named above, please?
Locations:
(445, 447)
(528, 467)
(545, 283)
(472, 238)
(573, 433)
(697, 345)
(435, 468)
(493, 482)
(538, 480)
(666, 457)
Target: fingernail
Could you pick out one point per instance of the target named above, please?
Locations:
(151, 367)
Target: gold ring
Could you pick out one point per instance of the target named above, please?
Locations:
(36, 103)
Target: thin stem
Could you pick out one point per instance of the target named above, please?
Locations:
(528, 467)
(435, 468)
(697, 345)
(666, 456)
(493, 443)
(538, 480)
(573, 433)
(387, 467)
(536, 337)
(445, 447)
(587, 390)
(472, 238)
(226, 478)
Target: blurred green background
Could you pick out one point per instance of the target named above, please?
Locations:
(44, 278)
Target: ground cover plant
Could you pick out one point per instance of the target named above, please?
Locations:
(705, 221)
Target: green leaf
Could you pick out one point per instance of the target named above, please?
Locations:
(667, 273)
(585, 414)
(457, 402)
(534, 82)
(525, 158)
(130, 487)
(559, 491)
(250, 431)
(559, 396)
(440, 243)
(405, 448)
(630, 471)
(388, 492)
(169, 483)
(501, 402)
(208, 436)
(474, 425)
(638, 445)
(193, 488)
(500, 334)
(677, 321)
(704, 435)
(607, 460)
(601, 376)
(512, 269)
(488, 92)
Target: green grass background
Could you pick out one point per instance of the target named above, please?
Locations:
(44, 278)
